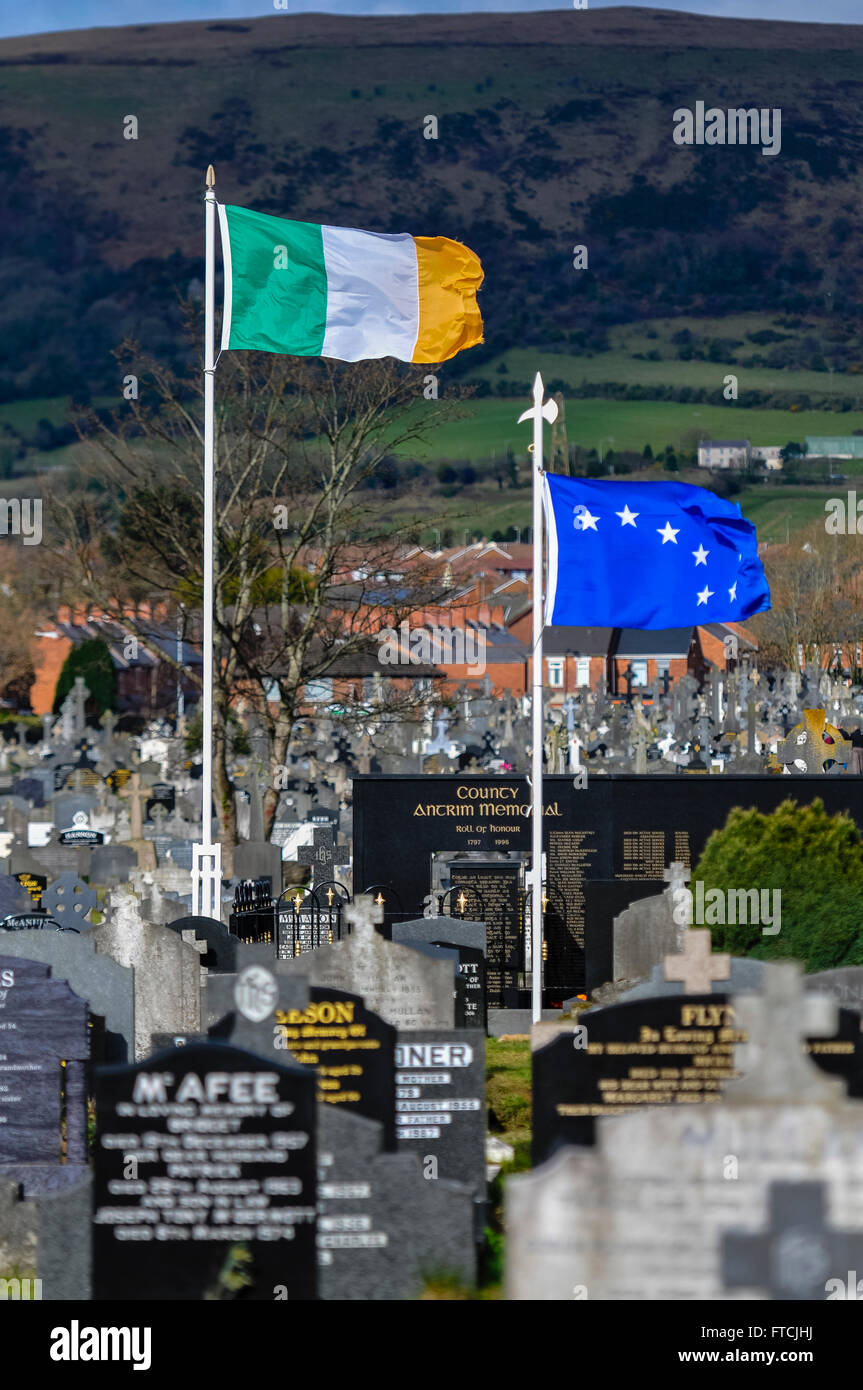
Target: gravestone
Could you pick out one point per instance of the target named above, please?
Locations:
(107, 987)
(112, 864)
(671, 1050)
(845, 985)
(458, 930)
(395, 982)
(80, 832)
(167, 970)
(440, 1100)
(471, 1007)
(242, 1006)
(41, 1239)
(44, 1049)
(14, 897)
(324, 855)
(221, 952)
(35, 885)
(651, 1211)
(70, 900)
(351, 1050)
(383, 1228)
(604, 900)
(237, 1203)
(31, 788)
(647, 931)
(469, 966)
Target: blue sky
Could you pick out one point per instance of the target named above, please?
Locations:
(45, 16)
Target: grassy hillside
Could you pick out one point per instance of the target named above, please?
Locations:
(553, 130)
(490, 426)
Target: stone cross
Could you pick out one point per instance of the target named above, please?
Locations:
(79, 695)
(797, 1254)
(569, 708)
(773, 1062)
(251, 783)
(805, 743)
(324, 852)
(696, 966)
(677, 874)
(136, 795)
(109, 724)
(363, 913)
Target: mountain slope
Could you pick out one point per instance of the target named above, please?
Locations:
(554, 130)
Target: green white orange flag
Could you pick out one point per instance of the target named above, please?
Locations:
(316, 291)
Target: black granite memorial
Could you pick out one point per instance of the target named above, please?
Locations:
(618, 827)
(496, 886)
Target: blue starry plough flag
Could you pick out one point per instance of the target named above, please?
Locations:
(648, 555)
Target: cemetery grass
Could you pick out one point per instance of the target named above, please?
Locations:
(508, 1081)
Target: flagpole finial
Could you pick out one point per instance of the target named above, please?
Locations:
(537, 387)
(211, 176)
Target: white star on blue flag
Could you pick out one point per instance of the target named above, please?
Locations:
(648, 555)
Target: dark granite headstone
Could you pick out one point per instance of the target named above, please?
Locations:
(107, 986)
(383, 1226)
(658, 1050)
(14, 897)
(440, 1100)
(351, 1050)
(205, 1178)
(112, 864)
(221, 952)
(471, 1009)
(43, 1024)
(35, 885)
(32, 789)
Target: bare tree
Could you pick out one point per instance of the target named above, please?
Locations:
(299, 447)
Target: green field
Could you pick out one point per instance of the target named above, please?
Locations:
(618, 365)
(490, 426)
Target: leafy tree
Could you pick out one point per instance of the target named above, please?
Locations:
(814, 859)
(792, 450)
(92, 660)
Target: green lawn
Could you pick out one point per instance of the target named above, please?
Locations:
(490, 426)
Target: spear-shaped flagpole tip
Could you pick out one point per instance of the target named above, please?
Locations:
(211, 176)
(537, 389)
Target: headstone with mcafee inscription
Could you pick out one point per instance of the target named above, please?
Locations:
(205, 1178)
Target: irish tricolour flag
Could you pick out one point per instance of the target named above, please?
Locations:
(312, 291)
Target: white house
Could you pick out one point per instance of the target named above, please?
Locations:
(724, 453)
(768, 454)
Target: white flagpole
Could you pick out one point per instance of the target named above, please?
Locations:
(537, 414)
(206, 862)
